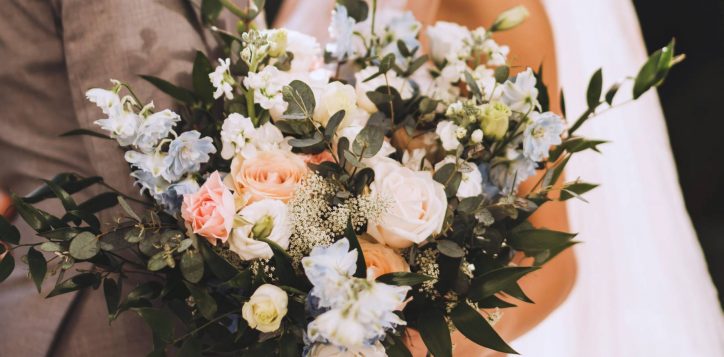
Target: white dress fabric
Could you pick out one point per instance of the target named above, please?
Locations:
(643, 288)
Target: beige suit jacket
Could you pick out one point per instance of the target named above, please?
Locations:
(51, 52)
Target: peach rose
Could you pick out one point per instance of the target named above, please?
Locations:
(381, 260)
(271, 174)
(210, 211)
(317, 159)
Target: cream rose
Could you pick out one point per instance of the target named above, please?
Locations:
(416, 209)
(266, 308)
(263, 219)
(271, 174)
(381, 259)
(210, 210)
(327, 350)
(335, 97)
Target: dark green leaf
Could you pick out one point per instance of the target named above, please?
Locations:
(435, 333)
(200, 75)
(473, 326)
(307, 142)
(181, 94)
(543, 97)
(492, 302)
(450, 248)
(67, 201)
(210, 10)
(611, 93)
(112, 292)
(517, 292)
(387, 62)
(84, 246)
(127, 208)
(300, 99)
(80, 281)
(403, 278)
(37, 220)
(563, 104)
(98, 203)
(496, 280)
(8, 232)
(369, 141)
(191, 348)
(595, 87)
(218, 265)
(69, 182)
(203, 300)
(87, 132)
(192, 266)
(576, 189)
(538, 239)
(38, 267)
(157, 262)
(356, 9)
(395, 347)
(449, 177)
(474, 86)
(361, 271)
(160, 321)
(655, 70)
(333, 124)
(50, 247)
(7, 264)
(289, 344)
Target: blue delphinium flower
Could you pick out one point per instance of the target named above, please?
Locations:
(490, 190)
(154, 128)
(172, 198)
(544, 131)
(508, 173)
(186, 154)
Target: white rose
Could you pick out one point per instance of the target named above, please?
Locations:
(268, 218)
(306, 50)
(327, 350)
(446, 39)
(266, 308)
(471, 184)
(363, 87)
(417, 205)
(447, 131)
(335, 97)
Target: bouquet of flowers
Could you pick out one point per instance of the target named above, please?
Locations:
(309, 201)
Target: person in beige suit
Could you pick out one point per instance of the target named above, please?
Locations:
(51, 52)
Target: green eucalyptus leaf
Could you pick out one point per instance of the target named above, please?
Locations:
(50, 247)
(316, 139)
(435, 333)
(134, 235)
(300, 100)
(38, 267)
(84, 246)
(192, 266)
(333, 124)
(473, 326)
(80, 281)
(369, 141)
(157, 262)
(403, 278)
(496, 280)
(450, 248)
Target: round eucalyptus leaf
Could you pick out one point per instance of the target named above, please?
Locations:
(192, 266)
(84, 246)
(450, 249)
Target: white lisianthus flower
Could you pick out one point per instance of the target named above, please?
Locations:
(108, 101)
(485, 78)
(154, 128)
(122, 126)
(341, 31)
(508, 173)
(266, 308)
(236, 134)
(267, 86)
(186, 153)
(221, 80)
(521, 95)
(447, 131)
(447, 41)
(262, 219)
(335, 97)
(362, 87)
(417, 205)
(544, 131)
(306, 50)
(497, 54)
(471, 184)
(327, 350)
(328, 268)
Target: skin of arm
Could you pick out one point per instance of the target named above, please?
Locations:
(531, 44)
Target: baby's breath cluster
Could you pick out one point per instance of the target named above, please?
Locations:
(426, 261)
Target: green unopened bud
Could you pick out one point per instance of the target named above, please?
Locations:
(277, 42)
(263, 227)
(510, 18)
(495, 119)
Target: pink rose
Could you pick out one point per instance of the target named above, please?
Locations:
(317, 159)
(210, 211)
(271, 174)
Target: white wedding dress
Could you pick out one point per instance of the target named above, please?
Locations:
(643, 288)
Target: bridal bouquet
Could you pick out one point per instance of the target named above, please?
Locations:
(318, 202)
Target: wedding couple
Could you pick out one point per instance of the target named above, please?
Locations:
(642, 287)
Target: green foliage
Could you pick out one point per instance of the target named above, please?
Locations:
(200, 75)
(181, 94)
(192, 266)
(38, 267)
(496, 280)
(473, 326)
(8, 232)
(160, 322)
(84, 246)
(300, 100)
(356, 9)
(78, 282)
(595, 87)
(77, 132)
(435, 333)
(7, 265)
(655, 70)
(403, 278)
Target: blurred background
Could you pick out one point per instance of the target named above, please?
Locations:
(694, 120)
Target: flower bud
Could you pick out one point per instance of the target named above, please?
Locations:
(495, 119)
(477, 136)
(510, 18)
(263, 227)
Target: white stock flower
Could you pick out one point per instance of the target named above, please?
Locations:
(328, 350)
(521, 95)
(335, 97)
(472, 181)
(236, 134)
(268, 218)
(154, 128)
(221, 80)
(362, 87)
(341, 31)
(447, 131)
(266, 308)
(544, 131)
(267, 86)
(268, 138)
(417, 205)
(447, 41)
(186, 153)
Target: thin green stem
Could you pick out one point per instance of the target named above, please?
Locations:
(233, 8)
(215, 320)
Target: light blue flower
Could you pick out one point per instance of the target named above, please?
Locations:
(328, 269)
(154, 185)
(154, 128)
(490, 190)
(186, 154)
(507, 173)
(544, 131)
(172, 198)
